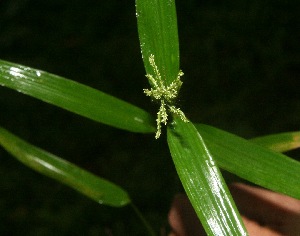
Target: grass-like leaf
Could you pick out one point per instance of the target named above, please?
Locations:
(253, 162)
(98, 189)
(157, 27)
(203, 181)
(282, 142)
(75, 97)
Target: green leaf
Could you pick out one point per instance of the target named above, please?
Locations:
(252, 162)
(75, 97)
(157, 27)
(98, 189)
(203, 181)
(282, 142)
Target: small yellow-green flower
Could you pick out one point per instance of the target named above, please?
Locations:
(166, 95)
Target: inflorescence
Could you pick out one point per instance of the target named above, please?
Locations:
(166, 95)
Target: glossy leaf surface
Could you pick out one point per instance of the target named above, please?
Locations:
(75, 97)
(98, 189)
(252, 162)
(203, 181)
(282, 142)
(157, 27)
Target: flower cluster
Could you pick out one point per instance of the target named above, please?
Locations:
(166, 95)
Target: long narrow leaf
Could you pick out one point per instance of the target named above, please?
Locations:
(98, 189)
(202, 181)
(75, 97)
(252, 162)
(157, 27)
(282, 142)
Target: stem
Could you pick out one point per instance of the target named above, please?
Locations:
(144, 221)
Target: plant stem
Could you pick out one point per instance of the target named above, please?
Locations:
(143, 219)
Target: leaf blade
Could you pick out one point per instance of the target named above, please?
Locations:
(203, 182)
(282, 142)
(158, 34)
(96, 188)
(75, 97)
(252, 162)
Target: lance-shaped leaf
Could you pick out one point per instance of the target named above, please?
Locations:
(75, 97)
(253, 162)
(157, 27)
(203, 181)
(282, 142)
(98, 189)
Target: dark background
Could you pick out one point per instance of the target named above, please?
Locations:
(241, 63)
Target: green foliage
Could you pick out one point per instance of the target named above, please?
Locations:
(252, 162)
(100, 190)
(203, 181)
(75, 97)
(157, 26)
(282, 142)
(198, 153)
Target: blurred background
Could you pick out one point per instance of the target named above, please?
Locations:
(241, 61)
